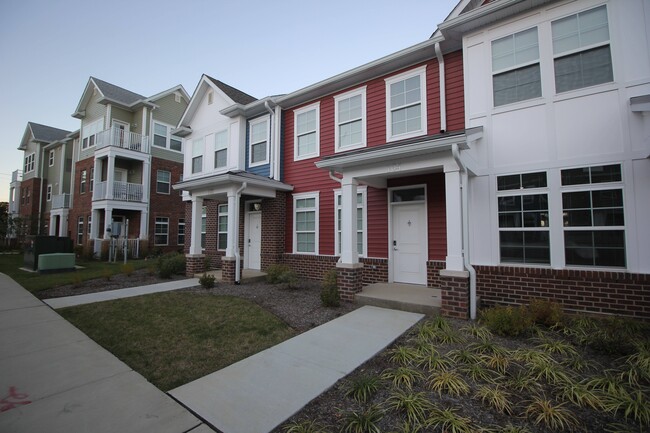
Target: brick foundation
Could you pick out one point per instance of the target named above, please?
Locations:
(455, 296)
(310, 266)
(349, 281)
(594, 292)
(228, 270)
(194, 264)
(433, 273)
(374, 270)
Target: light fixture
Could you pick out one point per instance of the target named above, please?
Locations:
(257, 206)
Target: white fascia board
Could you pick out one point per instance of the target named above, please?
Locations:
(211, 181)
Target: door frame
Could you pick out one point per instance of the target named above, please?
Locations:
(248, 205)
(391, 205)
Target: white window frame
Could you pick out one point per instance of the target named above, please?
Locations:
(216, 136)
(89, 226)
(168, 136)
(158, 181)
(421, 71)
(337, 125)
(29, 162)
(251, 143)
(307, 195)
(204, 227)
(159, 221)
(222, 213)
(180, 231)
(198, 151)
(90, 132)
(49, 192)
(83, 179)
(50, 159)
(312, 107)
(362, 190)
(80, 230)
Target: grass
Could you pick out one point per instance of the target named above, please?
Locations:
(35, 282)
(173, 338)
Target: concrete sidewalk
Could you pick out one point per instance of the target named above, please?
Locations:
(258, 393)
(89, 298)
(54, 378)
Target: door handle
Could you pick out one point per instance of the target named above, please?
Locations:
(394, 245)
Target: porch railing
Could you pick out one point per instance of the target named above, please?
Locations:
(123, 191)
(16, 176)
(117, 137)
(61, 201)
(101, 247)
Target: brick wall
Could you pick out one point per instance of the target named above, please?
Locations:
(82, 202)
(310, 266)
(595, 292)
(166, 205)
(455, 297)
(433, 273)
(374, 270)
(273, 220)
(349, 281)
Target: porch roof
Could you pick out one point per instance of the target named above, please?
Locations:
(231, 177)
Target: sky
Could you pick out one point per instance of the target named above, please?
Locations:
(49, 49)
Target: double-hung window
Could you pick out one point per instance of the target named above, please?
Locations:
(259, 148)
(92, 179)
(82, 181)
(523, 218)
(221, 149)
(80, 230)
(581, 50)
(51, 158)
(181, 232)
(406, 113)
(163, 181)
(90, 132)
(161, 231)
(204, 224)
(515, 68)
(305, 223)
(89, 226)
(306, 132)
(162, 137)
(594, 220)
(222, 227)
(350, 120)
(197, 155)
(29, 163)
(49, 193)
(361, 219)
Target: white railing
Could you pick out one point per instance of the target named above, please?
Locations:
(123, 191)
(17, 176)
(117, 137)
(61, 201)
(132, 247)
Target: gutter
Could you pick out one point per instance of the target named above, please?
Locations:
(236, 246)
(465, 231)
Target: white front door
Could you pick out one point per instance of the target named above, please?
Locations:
(254, 241)
(408, 244)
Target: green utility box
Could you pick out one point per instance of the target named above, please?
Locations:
(56, 262)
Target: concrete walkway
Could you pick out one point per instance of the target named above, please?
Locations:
(71, 301)
(258, 393)
(54, 378)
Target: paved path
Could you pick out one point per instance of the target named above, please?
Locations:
(54, 378)
(89, 298)
(258, 393)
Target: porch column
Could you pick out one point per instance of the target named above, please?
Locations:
(146, 180)
(108, 220)
(94, 228)
(110, 177)
(63, 222)
(454, 260)
(52, 226)
(349, 252)
(97, 178)
(233, 223)
(144, 225)
(195, 238)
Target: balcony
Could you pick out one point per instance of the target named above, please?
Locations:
(116, 137)
(123, 191)
(17, 176)
(61, 201)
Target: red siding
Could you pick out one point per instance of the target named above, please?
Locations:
(377, 201)
(455, 91)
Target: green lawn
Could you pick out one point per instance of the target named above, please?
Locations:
(35, 282)
(174, 338)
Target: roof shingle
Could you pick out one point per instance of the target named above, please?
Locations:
(236, 95)
(47, 133)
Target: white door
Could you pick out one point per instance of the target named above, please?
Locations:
(254, 242)
(120, 131)
(408, 244)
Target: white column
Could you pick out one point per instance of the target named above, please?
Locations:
(349, 252)
(454, 260)
(99, 163)
(63, 223)
(110, 177)
(233, 223)
(52, 225)
(195, 240)
(144, 224)
(108, 219)
(146, 180)
(94, 229)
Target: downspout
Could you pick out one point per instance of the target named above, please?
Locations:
(443, 96)
(464, 209)
(334, 178)
(271, 141)
(236, 246)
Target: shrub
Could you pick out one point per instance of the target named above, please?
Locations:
(171, 264)
(552, 416)
(363, 387)
(275, 273)
(507, 321)
(544, 312)
(78, 251)
(207, 281)
(366, 421)
(329, 293)
(128, 269)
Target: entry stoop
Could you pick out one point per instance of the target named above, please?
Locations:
(403, 297)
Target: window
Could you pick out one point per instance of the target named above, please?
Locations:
(581, 50)
(259, 152)
(221, 149)
(210, 97)
(175, 143)
(204, 220)
(406, 105)
(159, 135)
(80, 230)
(305, 225)
(161, 231)
(90, 220)
(49, 193)
(177, 97)
(350, 119)
(27, 197)
(361, 218)
(163, 181)
(197, 155)
(523, 218)
(181, 231)
(593, 214)
(90, 132)
(92, 178)
(306, 132)
(515, 65)
(82, 181)
(29, 163)
(222, 229)
(51, 159)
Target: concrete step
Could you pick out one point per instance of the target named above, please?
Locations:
(403, 297)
